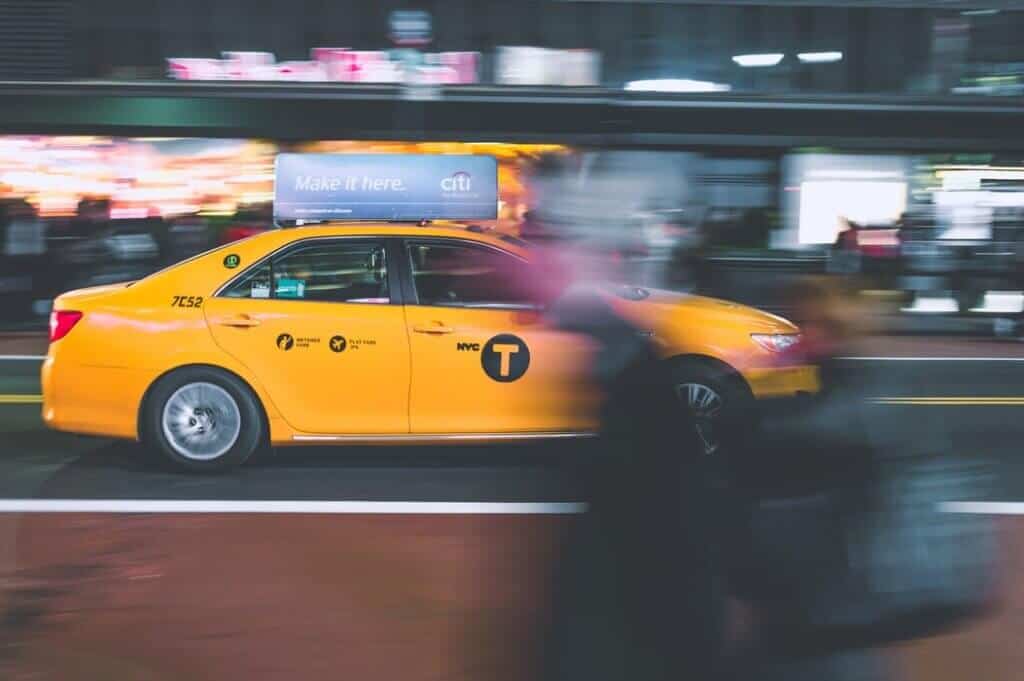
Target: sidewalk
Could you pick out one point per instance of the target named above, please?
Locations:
(23, 343)
(937, 346)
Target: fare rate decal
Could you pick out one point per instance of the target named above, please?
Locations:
(385, 187)
(336, 343)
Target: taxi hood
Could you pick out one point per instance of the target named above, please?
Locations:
(656, 305)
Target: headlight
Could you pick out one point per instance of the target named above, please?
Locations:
(776, 342)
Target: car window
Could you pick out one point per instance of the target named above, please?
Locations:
(338, 272)
(465, 275)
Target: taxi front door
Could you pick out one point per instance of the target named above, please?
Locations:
(484, 361)
(316, 327)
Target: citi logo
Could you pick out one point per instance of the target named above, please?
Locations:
(459, 182)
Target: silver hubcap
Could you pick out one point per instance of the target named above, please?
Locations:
(705, 404)
(201, 421)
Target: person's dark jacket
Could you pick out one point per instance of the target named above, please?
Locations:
(636, 595)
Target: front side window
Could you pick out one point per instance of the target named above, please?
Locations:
(333, 271)
(468, 276)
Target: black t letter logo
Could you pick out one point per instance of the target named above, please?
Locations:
(505, 358)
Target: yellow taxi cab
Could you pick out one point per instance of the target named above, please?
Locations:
(372, 333)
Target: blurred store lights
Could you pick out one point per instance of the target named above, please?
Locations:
(164, 177)
(334, 64)
(676, 85)
(169, 177)
(513, 65)
(758, 60)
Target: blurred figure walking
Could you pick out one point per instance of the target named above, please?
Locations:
(636, 595)
(844, 547)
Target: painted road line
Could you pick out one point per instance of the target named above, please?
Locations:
(288, 507)
(22, 358)
(932, 359)
(374, 507)
(21, 399)
(951, 401)
(983, 507)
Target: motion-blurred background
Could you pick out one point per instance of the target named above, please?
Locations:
(871, 140)
(796, 155)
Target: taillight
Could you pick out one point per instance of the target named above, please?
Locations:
(61, 322)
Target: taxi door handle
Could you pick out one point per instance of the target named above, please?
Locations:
(433, 329)
(239, 321)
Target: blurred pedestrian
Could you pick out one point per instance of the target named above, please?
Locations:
(845, 548)
(636, 595)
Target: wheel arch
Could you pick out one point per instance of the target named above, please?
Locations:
(712, 363)
(144, 402)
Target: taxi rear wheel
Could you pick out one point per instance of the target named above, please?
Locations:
(202, 419)
(718, 399)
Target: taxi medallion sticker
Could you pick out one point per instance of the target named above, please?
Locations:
(505, 358)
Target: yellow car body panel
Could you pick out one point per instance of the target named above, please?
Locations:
(407, 372)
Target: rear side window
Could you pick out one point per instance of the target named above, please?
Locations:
(464, 275)
(343, 271)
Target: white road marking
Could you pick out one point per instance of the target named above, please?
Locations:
(983, 507)
(283, 507)
(933, 359)
(22, 358)
(950, 401)
(372, 507)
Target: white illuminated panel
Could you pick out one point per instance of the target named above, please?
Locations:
(758, 60)
(823, 203)
(820, 57)
(676, 85)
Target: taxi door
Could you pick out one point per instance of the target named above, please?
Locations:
(483, 358)
(318, 326)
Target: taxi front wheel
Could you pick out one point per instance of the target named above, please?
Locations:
(717, 398)
(202, 419)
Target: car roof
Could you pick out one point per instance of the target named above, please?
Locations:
(389, 229)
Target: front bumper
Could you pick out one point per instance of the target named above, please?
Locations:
(788, 381)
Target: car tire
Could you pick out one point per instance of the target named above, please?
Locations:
(729, 410)
(202, 420)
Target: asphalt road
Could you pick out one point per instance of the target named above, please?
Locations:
(955, 406)
(428, 592)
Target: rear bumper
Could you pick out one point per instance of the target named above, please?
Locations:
(90, 400)
(46, 380)
(783, 381)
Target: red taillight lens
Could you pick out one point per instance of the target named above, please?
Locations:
(61, 322)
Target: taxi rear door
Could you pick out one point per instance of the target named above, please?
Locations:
(321, 326)
(483, 358)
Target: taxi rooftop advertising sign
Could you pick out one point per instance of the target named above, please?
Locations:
(315, 187)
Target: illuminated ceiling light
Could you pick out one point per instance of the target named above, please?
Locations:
(754, 60)
(979, 12)
(676, 85)
(820, 57)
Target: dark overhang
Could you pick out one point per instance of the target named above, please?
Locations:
(574, 116)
